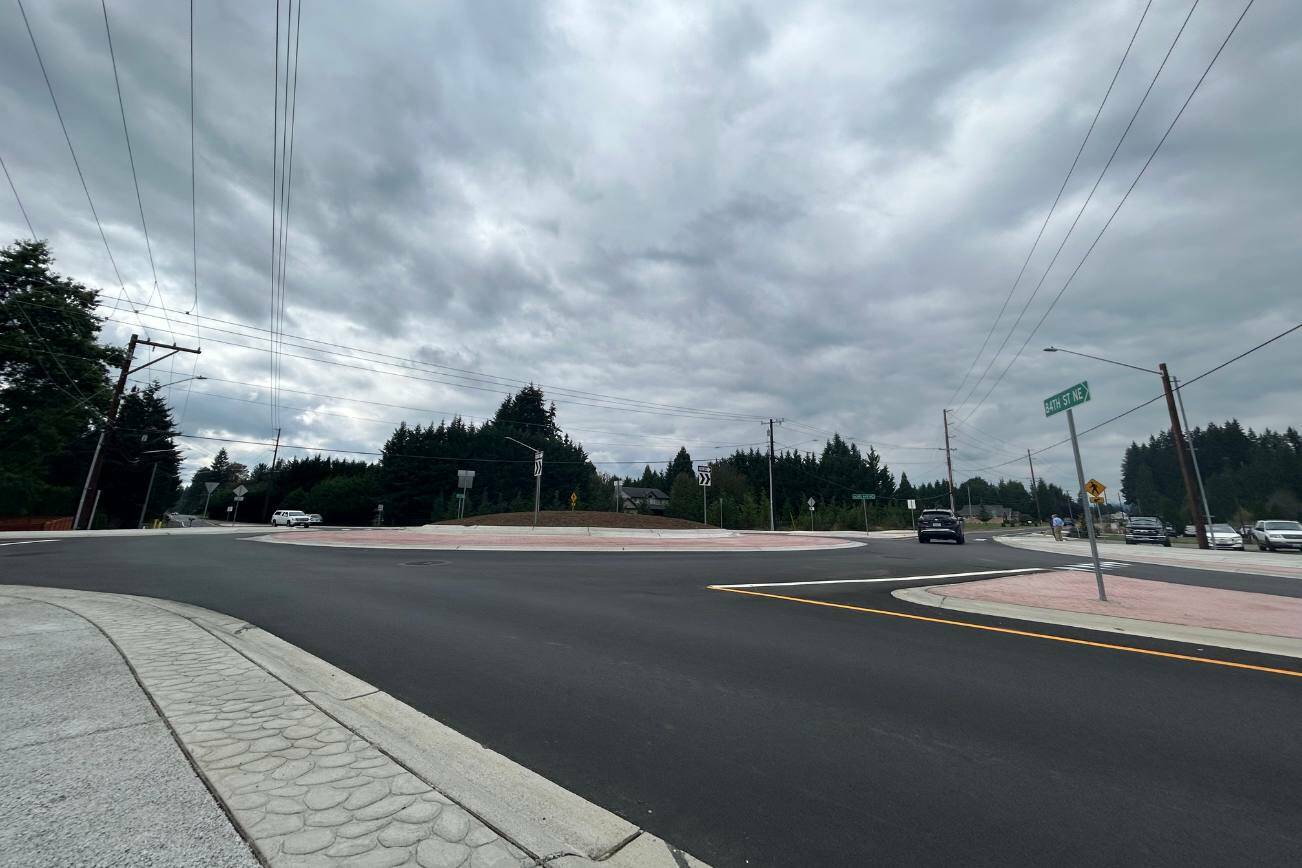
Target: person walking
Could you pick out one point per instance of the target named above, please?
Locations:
(1057, 527)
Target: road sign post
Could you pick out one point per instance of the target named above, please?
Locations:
(703, 479)
(913, 504)
(864, 498)
(811, 513)
(1066, 400)
(211, 486)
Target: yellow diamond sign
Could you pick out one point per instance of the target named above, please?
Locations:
(1094, 488)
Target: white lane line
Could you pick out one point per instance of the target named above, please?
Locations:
(886, 579)
(28, 542)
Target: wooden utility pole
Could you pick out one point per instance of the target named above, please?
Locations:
(949, 464)
(271, 476)
(81, 521)
(1034, 492)
(1182, 455)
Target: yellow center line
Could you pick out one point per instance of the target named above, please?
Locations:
(1010, 631)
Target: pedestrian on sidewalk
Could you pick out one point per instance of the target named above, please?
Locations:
(1057, 527)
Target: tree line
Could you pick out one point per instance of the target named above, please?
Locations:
(1247, 476)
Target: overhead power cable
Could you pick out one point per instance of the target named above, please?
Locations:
(1080, 212)
(18, 199)
(1045, 224)
(75, 162)
(1117, 209)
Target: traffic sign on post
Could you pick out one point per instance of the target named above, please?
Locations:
(211, 486)
(1067, 398)
(863, 497)
(703, 474)
(913, 504)
(241, 491)
(1094, 488)
(537, 463)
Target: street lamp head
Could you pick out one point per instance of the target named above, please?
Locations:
(1051, 349)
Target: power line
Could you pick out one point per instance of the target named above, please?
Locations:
(1080, 212)
(18, 199)
(1122, 202)
(77, 163)
(1035, 244)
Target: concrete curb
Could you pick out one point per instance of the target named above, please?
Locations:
(535, 814)
(1278, 645)
(133, 532)
(435, 545)
(1223, 561)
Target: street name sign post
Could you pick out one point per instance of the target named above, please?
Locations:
(1066, 400)
(865, 498)
(703, 479)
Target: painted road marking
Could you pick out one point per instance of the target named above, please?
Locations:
(28, 542)
(1012, 632)
(869, 581)
(1089, 566)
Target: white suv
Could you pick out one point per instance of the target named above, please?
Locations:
(289, 518)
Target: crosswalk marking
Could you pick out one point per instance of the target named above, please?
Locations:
(1088, 566)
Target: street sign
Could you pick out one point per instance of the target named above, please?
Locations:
(1097, 500)
(239, 499)
(461, 495)
(241, 491)
(1067, 398)
(703, 475)
(211, 486)
(574, 498)
(913, 504)
(811, 504)
(1095, 488)
(537, 463)
(465, 478)
(863, 497)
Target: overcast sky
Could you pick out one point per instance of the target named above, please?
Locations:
(811, 211)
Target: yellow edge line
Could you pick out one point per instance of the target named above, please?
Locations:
(1012, 632)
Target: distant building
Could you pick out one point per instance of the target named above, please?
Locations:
(651, 500)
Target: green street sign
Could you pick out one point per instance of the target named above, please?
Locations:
(1067, 398)
(461, 495)
(863, 497)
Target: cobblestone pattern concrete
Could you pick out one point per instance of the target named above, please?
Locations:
(304, 789)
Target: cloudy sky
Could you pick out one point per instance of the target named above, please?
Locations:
(811, 211)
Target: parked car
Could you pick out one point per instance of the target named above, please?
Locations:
(314, 518)
(1170, 531)
(939, 524)
(1222, 536)
(1190, 530)
(1146, 529)
(289, 518)
(1276, 534)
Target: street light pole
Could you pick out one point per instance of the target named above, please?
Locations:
(537, 476)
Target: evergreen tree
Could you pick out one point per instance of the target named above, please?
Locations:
(54, 382)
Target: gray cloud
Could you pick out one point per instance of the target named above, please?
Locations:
(809, 211)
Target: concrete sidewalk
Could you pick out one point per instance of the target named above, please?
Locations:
(1283, 564)
(1263, 623)
(132, 727)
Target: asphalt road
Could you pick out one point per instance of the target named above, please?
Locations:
(764, 732)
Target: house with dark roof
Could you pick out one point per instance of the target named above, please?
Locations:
(651, 500)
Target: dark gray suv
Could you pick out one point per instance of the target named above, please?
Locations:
(939, 524)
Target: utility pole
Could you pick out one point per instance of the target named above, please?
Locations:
(271, 476)
(772, 525)
(1177, 435)
(149, 492)
(1034, 492)
(949, 463)
(82, 520)
(1193, 453)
